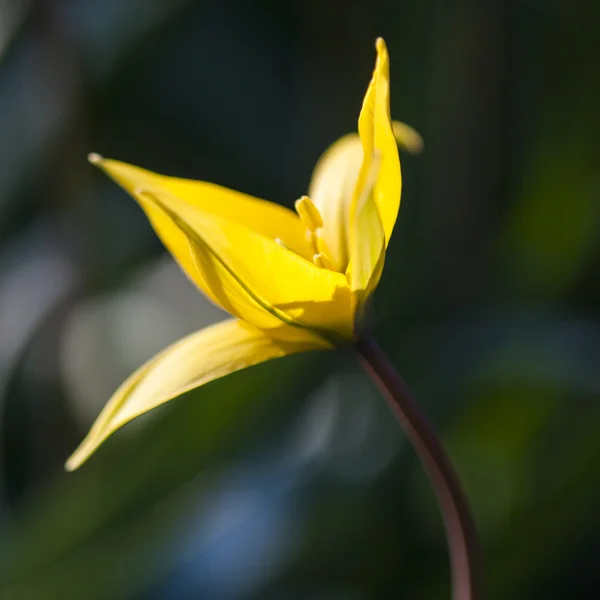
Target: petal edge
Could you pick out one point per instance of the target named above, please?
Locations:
(191, 362)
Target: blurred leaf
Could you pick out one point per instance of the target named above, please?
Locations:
(63, 544)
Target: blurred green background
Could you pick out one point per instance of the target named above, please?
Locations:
(291, 481)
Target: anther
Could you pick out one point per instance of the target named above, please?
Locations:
(309, 213)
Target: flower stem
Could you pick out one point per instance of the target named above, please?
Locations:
(460, 527)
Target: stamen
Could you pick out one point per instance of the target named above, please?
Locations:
(322, 247)
(309, 213)
(311, 238)
(323, 261)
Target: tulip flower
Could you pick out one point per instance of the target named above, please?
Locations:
(292, 281)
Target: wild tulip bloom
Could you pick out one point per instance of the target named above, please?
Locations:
(293, 281)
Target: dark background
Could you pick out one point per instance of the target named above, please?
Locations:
(291, 481)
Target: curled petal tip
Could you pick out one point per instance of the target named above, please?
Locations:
(407, 138)
(94, 158)
(380, 44)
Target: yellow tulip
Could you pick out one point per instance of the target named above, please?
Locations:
(293, 281)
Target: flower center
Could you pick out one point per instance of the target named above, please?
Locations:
(313, 221)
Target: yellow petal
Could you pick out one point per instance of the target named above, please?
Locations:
(269, 219)
(246, 271)
(331, 190)
(377, 137)
(367, 241)
(193, 361)
(376, 196)
(335, 183)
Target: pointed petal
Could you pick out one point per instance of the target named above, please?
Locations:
(339, 176)
(334, 181)
(376, 197)
(246, 271)
(193, 361)
(377, 137)
(267, 218)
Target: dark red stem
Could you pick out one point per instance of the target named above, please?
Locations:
(460, 528)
